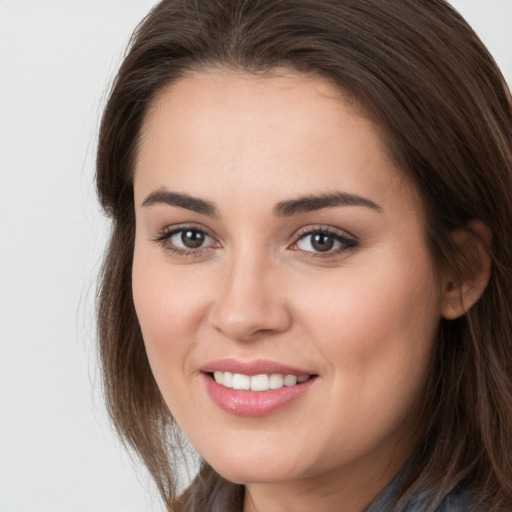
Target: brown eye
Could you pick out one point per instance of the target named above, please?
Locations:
(322, 242)
(192, 239)
(187, 239)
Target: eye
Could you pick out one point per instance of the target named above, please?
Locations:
(190, 239)
(326, 241)
(186, 240)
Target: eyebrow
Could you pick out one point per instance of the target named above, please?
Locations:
(317, 202)
(182, 200)
(283, 209)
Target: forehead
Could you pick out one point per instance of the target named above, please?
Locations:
(268, 135)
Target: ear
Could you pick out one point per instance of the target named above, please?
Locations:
(462, 291)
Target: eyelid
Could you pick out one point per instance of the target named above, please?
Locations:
(164, 236)
(174, 228)
(323, 228)
(349, 241)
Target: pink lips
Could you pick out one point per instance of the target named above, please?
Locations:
(256, 367)
(253, 403)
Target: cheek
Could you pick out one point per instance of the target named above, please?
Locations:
(166, 317)
(167, 298)
(169, 308)
(376, 329)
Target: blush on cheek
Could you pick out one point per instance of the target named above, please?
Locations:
(380, 327)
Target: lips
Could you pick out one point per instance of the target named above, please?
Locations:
(255, 388)
(255, 367)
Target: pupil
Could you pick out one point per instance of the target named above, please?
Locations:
(322, 242)
(192, 239)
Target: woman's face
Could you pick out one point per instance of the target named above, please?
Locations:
(275, 237)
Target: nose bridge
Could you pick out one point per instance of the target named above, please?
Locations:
(249, 302)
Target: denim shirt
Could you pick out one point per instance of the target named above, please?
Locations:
(455, 501)
(451, 502)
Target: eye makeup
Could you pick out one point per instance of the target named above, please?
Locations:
(186, 240)
(322, 242)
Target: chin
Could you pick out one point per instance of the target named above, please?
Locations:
(246, 454)
(254, 473)
(258, 467)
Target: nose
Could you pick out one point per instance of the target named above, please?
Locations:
(251, 302)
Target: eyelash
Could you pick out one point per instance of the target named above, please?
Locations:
(347, 241)
(164, 239)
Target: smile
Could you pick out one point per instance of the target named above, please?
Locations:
(262, 382)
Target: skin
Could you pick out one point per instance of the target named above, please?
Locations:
(361, 317)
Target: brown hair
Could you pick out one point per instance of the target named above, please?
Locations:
(445, 111)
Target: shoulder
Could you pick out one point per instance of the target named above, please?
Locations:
(461, 500)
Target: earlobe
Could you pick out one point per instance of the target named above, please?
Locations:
(474, 270)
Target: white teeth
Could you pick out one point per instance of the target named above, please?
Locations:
(262, 382)
(290, 380)
(227, 379)
(259, 383)
(241, 381)
(276, 381)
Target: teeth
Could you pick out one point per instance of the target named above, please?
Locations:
(290, 380)
(261, 382)
(241, 381)
(227, 379)
(276, 381)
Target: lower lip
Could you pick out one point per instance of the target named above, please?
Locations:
(255, 403)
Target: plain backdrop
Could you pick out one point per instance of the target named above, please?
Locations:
(57, 452)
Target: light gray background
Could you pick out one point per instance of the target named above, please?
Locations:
(57, 453)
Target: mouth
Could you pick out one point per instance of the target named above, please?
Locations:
(261, 382)
(255, 388)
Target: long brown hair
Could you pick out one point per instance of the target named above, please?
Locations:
(444, 110)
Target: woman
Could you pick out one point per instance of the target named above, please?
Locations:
(309, 269)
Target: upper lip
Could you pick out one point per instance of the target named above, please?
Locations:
(254, 367)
